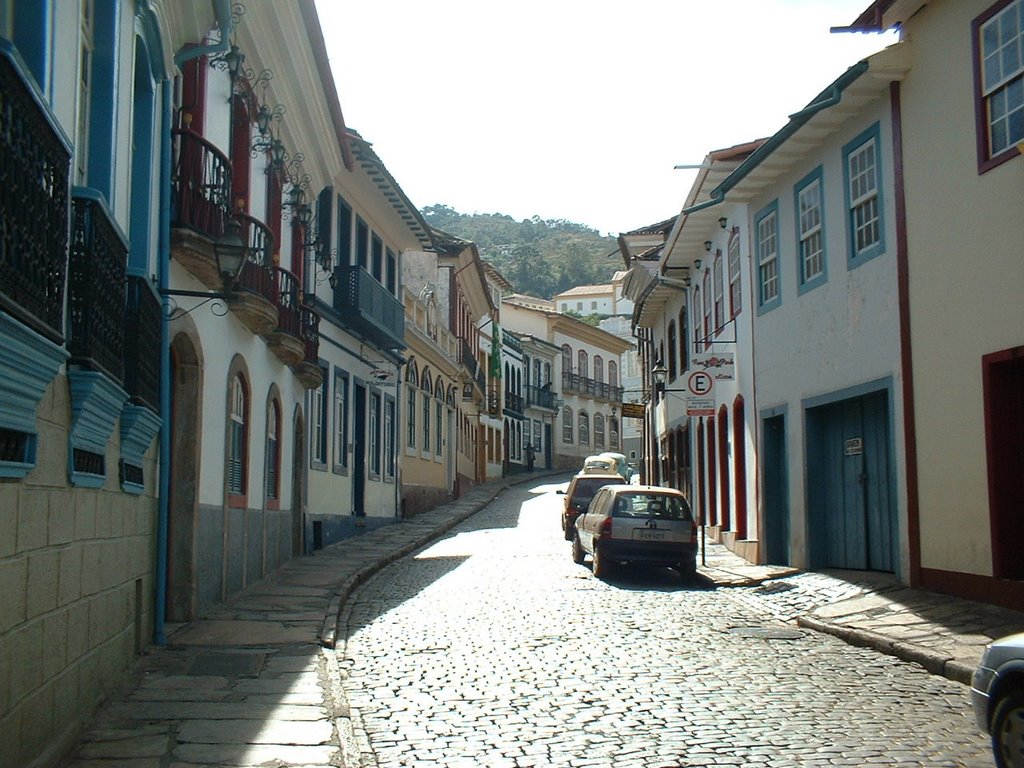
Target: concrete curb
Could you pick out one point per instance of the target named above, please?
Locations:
(934, 662)
(329, 628)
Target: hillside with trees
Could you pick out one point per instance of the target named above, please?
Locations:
(540, 257)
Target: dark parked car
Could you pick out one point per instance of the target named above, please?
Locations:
(997, 692)
(579, 493)
(637, 524)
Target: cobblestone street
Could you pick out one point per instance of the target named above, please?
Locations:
(491, 648)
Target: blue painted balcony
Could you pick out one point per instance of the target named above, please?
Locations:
(367, 308)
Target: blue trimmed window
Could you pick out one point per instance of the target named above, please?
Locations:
(862, 172)
(766, 245)
(810, 231)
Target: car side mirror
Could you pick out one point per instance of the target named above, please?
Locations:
(561, 492)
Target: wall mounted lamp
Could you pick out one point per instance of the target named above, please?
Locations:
(660, 375)
(696, 264)
(723, 222)
(230, 252)
(707, 245)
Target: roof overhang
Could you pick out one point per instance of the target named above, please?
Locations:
(389, 188)
(776, 156)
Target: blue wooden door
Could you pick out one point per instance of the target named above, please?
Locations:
(776, 492)
(850, 485)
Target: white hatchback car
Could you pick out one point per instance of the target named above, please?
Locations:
(637, 524)
(997, 693)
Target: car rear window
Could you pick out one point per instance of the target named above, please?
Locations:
(649, 505)
(586, 487)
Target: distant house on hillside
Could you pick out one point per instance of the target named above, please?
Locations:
(604, 299)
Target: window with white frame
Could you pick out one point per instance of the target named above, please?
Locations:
(389, 437)
(767, 244)
(438, 423)
(598, 430)
(410, 417)
(85, 61)
(719, 277)
(273, 452)
(698, 327)
(425, 399)
(1000, 44)
(613, 374)
(583, 364)
(318, 454)
(237, 437)
(613, 433)
(708, 330)
(735, 294)
(863, 196)
(567, 424)
(583, 427)
(810, 230)
(374, 433)
(340, 421)
(536, 435)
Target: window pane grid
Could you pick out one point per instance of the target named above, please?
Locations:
(735, 297)
(767, 257)
(864, 197)
(1003, 46)
(812, 263)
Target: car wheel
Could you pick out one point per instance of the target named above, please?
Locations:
(1008, 730)
(687, 570)
(569, 530)
(601, 565)
(577, 550)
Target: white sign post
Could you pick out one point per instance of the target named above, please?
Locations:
(698, 400)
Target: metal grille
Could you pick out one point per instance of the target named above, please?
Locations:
(142, 339)
(34, 169)
(96, 291)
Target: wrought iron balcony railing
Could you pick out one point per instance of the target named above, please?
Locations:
(469, 362)
(289, 296)
(368, 307)
(514, 405)
(201, 184)
(310, 333)
(96, 288)
(142, 336)
(573, 382)
(35, 164)
(542, 397)
(257, 274)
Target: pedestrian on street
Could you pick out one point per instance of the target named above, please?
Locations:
(529, 457)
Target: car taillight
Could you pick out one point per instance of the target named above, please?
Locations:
(606, 529)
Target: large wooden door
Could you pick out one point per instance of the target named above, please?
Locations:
(851, 485)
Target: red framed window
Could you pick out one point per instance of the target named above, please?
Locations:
(998, 47)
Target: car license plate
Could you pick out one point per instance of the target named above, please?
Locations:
(649, 534)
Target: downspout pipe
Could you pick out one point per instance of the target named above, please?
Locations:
(222, 13)
(163, 267)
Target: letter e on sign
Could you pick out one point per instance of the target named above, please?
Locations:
(699, 383)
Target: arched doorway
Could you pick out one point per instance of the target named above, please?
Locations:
(183, 495)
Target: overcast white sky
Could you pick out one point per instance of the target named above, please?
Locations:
(576, 109)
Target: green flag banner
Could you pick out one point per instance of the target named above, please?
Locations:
(496, 353)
